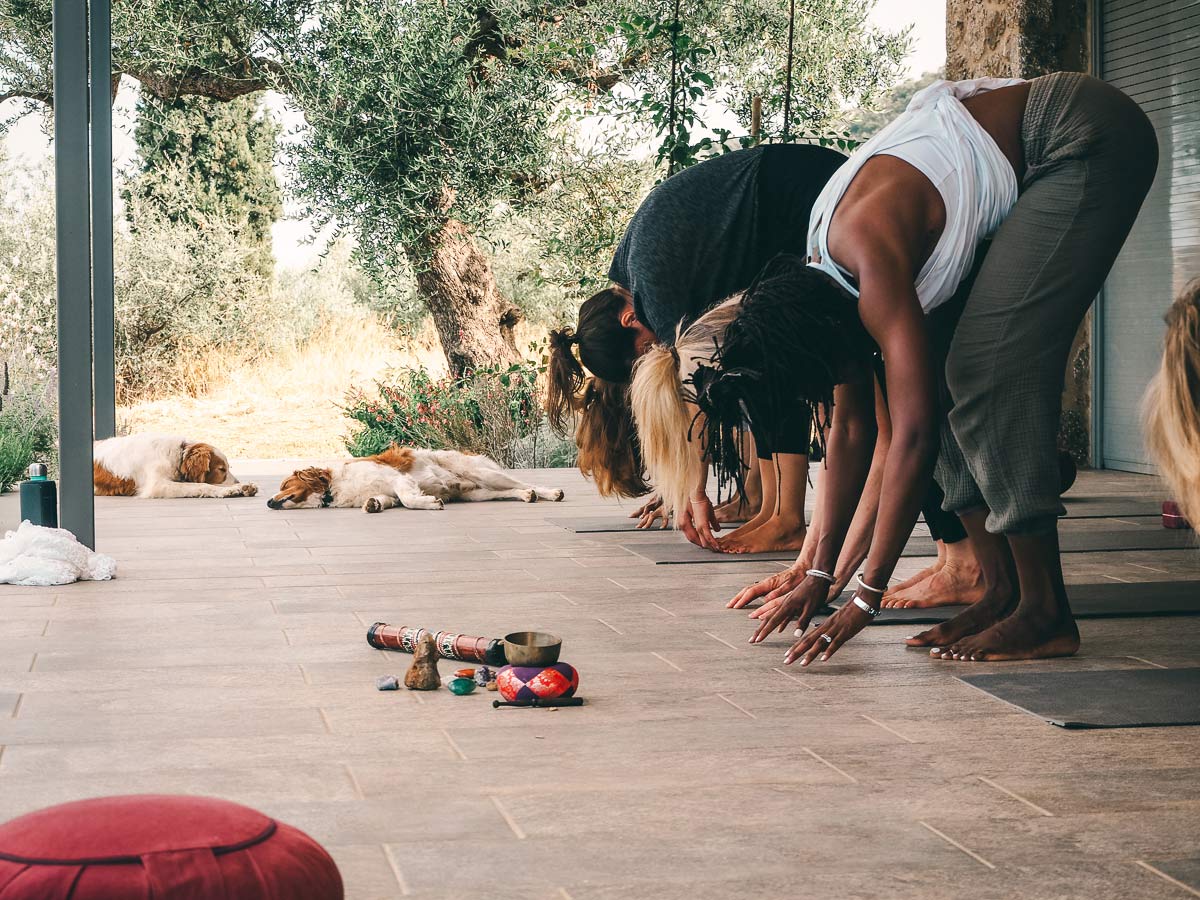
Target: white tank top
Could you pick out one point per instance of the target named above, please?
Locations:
(938, 137)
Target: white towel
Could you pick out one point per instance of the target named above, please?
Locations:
(44, 556)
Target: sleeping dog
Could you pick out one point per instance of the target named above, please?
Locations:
(408, 477)
(157, 465)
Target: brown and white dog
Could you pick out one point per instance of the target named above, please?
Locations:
(162, 466)
(408, 477)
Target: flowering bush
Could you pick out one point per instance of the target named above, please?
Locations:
(494, 411)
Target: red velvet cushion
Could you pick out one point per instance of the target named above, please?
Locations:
(160, 847)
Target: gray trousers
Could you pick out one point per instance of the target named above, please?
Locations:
(1090, 155)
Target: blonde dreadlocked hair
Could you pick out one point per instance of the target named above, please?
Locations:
(1172, 403)
(661, 405)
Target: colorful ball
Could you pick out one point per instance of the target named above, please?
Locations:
(537, 682)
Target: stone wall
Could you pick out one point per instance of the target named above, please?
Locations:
(1024, 39)
(1015, 38)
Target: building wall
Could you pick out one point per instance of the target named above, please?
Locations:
(1024, 39)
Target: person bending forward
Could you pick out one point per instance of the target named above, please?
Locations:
(1055, 170)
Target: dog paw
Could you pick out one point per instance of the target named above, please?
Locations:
(249, 490)
(438, 504)
(557, 494)
(373, 506)
(529, 496)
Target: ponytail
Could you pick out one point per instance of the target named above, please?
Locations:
(565, 377)
(1173, 403)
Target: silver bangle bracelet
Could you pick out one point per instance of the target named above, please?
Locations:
(817, 573)
(864, 606)
(866, 587)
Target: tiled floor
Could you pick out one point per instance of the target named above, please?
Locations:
(229, 659)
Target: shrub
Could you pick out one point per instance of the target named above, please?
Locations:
(27, 429)
(496, 412)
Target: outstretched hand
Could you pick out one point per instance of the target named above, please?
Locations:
(650, 511)
(824, 640)
(698, 521)
(768, 589)
(802, 602)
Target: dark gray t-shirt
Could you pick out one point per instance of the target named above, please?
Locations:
(705, 232)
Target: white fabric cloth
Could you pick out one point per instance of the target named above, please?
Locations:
(34, 555)
(937, 136)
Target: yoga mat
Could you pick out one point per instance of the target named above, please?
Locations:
(1107, 698)
(604, 524)
(1114, 506)
(1108, 600)
(1083, 507)
(1185, 871)
(1148, 537)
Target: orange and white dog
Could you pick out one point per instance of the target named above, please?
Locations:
(408, 477)
(162, 466)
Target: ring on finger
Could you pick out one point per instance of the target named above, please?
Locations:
(827, 639)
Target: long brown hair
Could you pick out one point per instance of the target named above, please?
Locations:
(1173, 403)
(597, 406)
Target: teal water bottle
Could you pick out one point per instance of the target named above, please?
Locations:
(39, 498)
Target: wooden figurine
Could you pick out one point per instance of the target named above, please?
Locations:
(422, 675)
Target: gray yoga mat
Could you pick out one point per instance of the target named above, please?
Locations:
(1082, 507)
(606, 524)
(1148, 537)
(1185, 871)
(1107, 698)
(1108, 600)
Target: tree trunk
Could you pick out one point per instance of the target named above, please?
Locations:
(474, 322)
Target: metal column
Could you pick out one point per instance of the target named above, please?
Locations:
(73, 258)
(100, 46)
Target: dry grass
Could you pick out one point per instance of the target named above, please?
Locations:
(285, 404)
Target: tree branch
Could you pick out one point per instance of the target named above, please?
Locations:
(260, 75)
(46, 97)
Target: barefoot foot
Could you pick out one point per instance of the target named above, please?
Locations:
(1020, 636)
(774, 534)
(950, 585)
(735, 510)
(994, 606)
(922, 576)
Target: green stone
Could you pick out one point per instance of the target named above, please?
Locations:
(461, 685)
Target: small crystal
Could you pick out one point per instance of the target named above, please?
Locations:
(461, 685)
(387, 683)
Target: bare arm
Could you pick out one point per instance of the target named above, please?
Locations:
(850, 445)
(892, 314)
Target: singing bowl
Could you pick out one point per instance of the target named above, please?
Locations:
(531, 648)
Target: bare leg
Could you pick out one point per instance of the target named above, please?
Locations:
(746, 505)
(1042, 625)
(923, 575)
(957, 580)
(1000, 589)
(767, 485)
(785, 529)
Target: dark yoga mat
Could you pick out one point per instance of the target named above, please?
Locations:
(1113, 506)
(1082, 507)
(1106, 698)
(1147, 537)
(1108, 600)
(605, 524)
(1185, 871)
